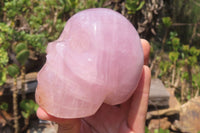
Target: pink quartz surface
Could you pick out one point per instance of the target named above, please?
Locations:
(97, 59)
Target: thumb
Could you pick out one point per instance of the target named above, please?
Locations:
(139, 105)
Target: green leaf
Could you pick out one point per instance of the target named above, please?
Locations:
(13, 70)
(163, 131)
(140, 6)
(194, 51)
(3, 76)
(146, 130)
(167, 21)
(175, 41)
(188, 96)
(173, 34)
(4, 106)
(36, 107)
(3, 58)
(156, 131)
(173, 56)
(22, 56)
(20, 47)
(164, 66)
(134, 5)
(186, 48)
(192, 60)
(185, 75)
(25, 114)
(29, 107)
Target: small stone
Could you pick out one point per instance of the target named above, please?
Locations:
(159, 123)
(189, 116)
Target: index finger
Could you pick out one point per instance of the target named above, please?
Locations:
(146, 49)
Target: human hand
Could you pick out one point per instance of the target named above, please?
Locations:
(128, 117)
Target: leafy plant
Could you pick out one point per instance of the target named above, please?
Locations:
(147, 130)
(167, 21)
(6, 35)
(3, 58)
(28, 107)
(134, 5)
(173, 56)
(13, 70)
(164, 66)
(182, 66)
(4, 106)
(161, 131)
(2, 76)
(157, 130)
(20, 47)
(22, 56)
(3, 63)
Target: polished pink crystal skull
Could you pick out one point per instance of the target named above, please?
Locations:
(97, 59)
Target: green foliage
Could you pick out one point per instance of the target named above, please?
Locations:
(134, 5)
(13, 70)
(164, 66)
(190, 54)
(161, 131)
(31, 24)
(29, 107)
(196, 80)
(3, 63)
(6, 35)
(4, 106)
(181, 58)
(176, 43)
(173, 56)
(22, 53)
(192, 60)
(185, 75)
(167, 21)
(194, 51)
(157, 130)
(3, 73)
(17, 6)
(38, 18)
(35, 23)
(3, 58)
(37, 41)
(186, 49)
(22, 56)
(173, 35)
(147, 130)
(20, 47)
(184, 12)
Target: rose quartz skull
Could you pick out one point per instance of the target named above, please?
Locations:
(97, 59)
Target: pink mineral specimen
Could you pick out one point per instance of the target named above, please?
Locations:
(97, 59)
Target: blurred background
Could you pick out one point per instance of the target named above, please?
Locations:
(171, 26)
